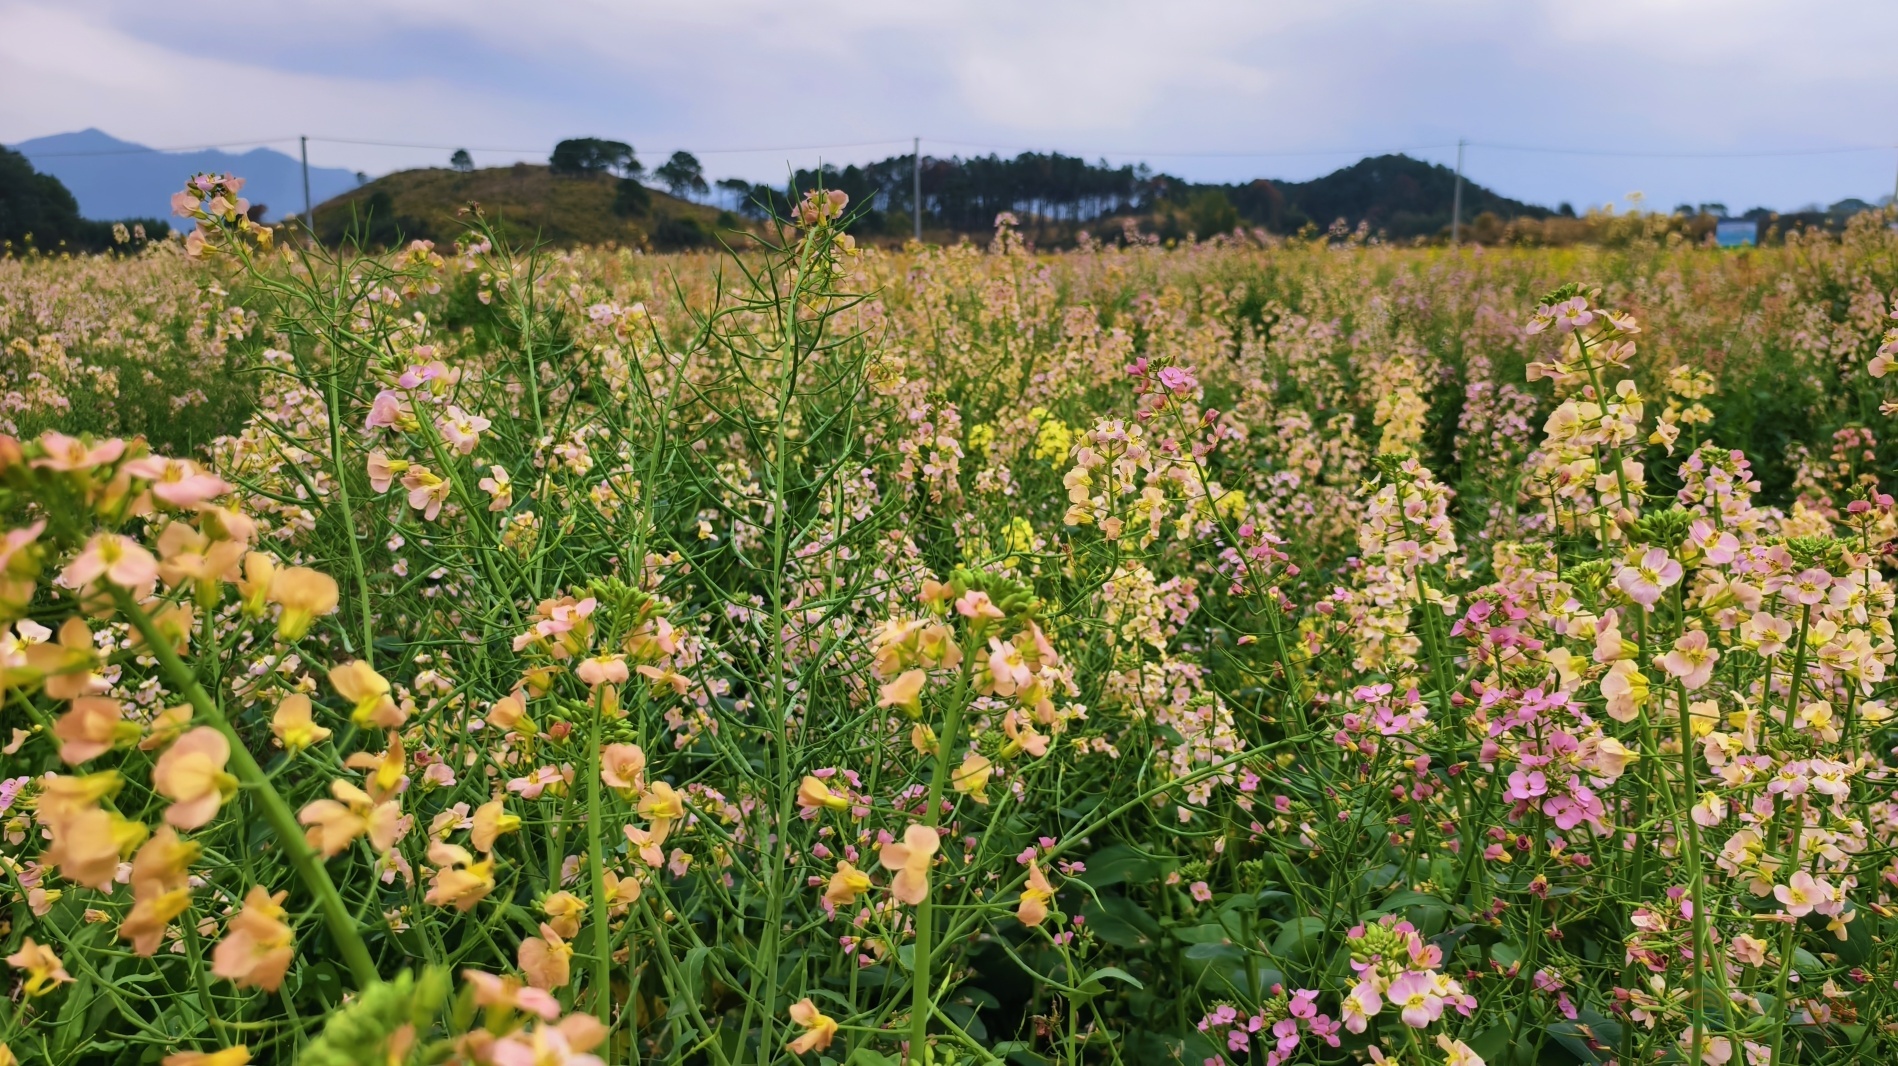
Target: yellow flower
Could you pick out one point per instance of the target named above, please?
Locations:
(491, 820)
(662, 805)
(460, 881)
(972, 777)
(846, 885)
(358, 682)
(293, 726)
(304, 595)
(1035, 897)
(43, 970)
(230, 1056)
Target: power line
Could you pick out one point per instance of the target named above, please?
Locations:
(1125, 152)
(1743, 154)
(140, 149)
(1272, 153)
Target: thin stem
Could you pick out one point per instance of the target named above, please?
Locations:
(277, 813)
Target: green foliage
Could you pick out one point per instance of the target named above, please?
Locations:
(591, 155)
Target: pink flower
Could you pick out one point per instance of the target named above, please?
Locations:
(385, 411)
(1645, 581)
(1201, 892)
(1808, 587)
(382, 473)
(72, 455)
(427, 492)
(1691, 660)
(1804, 893)
(1177, 379)
(1415, 995)
(461, 429)
(118, 559)
(1360, 1004)
(1529, 785)
(178, 482)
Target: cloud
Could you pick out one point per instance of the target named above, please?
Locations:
(1089, 77)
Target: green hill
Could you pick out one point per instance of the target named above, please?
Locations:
(524, 202)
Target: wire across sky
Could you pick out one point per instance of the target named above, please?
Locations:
(1146, 153)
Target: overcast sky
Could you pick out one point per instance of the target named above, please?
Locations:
(1207, 89)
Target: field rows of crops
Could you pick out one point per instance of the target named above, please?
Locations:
(1248, 652)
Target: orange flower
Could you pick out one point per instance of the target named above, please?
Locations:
(813, 795)
(63, 797)
(230, 1056)
(165, 860)
(491, 820)
(623, 767)
(191, 774)
(166, 726)
(91, 728)
(256, 950)
(563, 911)
(846, 885)
(459, 880)
(43, 970)
(304, 595)
(603, 670)
(678, 682)
(1022, 737)
(910, 859)
(153, 908)
(160, 888)
(509, 713)
(384, 777)
(819, 1028)
(906, 693)
(67, 666)
(1035, 896)
(88, 845)
(358, 682)
(546, 959)
(621, 893)
(293, 725)
(333, 823)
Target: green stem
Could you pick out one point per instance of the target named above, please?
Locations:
(277, 813)
(596, 868)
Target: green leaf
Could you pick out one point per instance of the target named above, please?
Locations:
(1119, 864)
(1221, 950)
(1092, 982)
(1299, 937)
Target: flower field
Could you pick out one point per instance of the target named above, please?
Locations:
(1252, 652)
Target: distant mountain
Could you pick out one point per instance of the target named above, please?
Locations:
(37, 212)
(115, 179)
(1403, 196)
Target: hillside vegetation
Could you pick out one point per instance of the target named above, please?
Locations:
(525, 202)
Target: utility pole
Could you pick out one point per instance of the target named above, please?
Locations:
(916, 205)
(1456, 199)
(307, 222)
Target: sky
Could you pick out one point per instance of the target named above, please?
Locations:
(1678, 100)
